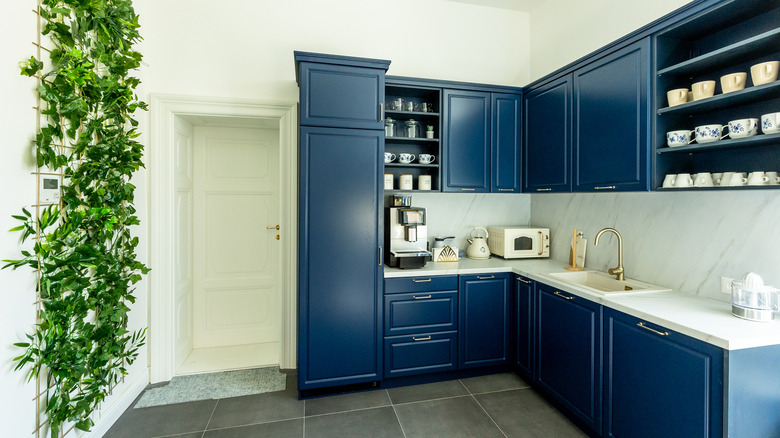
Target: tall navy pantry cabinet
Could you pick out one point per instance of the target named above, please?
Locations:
(340, 202)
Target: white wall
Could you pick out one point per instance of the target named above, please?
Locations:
(564, 30)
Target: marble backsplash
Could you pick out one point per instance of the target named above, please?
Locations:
(684, 240)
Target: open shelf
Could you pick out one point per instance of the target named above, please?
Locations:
(747, 95)
(756, 140)
(414, 139)
(401, 165)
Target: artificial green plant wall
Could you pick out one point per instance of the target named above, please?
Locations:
(83, 248)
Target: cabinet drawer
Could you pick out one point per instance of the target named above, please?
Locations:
(420, 354)
(421, 312)
(420, 284)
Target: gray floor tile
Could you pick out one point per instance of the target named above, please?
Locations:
(494, 382)
(429, 391)
(157, 421)
(277, 429)
(375, 423)
(451, 418)
(184, 435)
(524, 414)
(260, 408)
(347, 402)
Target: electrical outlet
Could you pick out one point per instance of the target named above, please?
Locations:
(725, 285)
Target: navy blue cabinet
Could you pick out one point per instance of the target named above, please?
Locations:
(484, 320)
(547, 128)
(611, 140)
(340, 319)
(466, 141)
(659, 382)
(524, 324)
(568, 353)
(341, 92)
(505, 142)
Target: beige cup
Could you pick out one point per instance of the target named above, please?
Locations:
(424, 182)
(757, 179)
(703, 179)
(669, 180)
(736, 179)
(733, 82)
(717, 177)
(774, 178)
(405, 182)
(683, 180)
(677, 97)
(764, 73)
(703, 89)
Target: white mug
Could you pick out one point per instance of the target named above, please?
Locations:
(426, 158)
(764, 72)
(717, 177)
(725, 178)
(737, 179)
(679, 138)
(669, 180)
(424, 182)
(388, 181)
(405, 182)
(743, 128)
(774, 178)
(733, 82)
(703, 89)
(703, 179)
(405, 158)
(677, 97)
(709, 133)
(389, 158)
(757, 179)
(770, 123)
(683, 180)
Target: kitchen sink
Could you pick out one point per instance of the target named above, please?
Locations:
(603, 283)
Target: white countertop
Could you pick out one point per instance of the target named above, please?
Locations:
(702, 318)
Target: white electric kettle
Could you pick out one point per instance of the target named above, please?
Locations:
(478, 247)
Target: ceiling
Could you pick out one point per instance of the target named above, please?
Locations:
(515, 5)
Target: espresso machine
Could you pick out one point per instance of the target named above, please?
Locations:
(406, 235)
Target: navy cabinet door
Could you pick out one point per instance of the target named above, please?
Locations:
(484, 320)
(659, 382)
(524, 306)
(505, 174)
(341, 96)
(340, 268)
(569, 352)
(466, 139)
(547, 133)
(612, 121)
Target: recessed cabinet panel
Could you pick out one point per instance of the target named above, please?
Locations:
(484, 320)
(611, 121)
(547, 131)
(421, 353)
(466, 139)
(421, 312)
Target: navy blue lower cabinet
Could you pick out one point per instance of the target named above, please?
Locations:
(340, 287)
(420, 353)
(659, 383)
(525, 323)
(421, 312)
(484, 320)
(569, 365)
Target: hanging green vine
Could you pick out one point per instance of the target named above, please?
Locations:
(83, 249)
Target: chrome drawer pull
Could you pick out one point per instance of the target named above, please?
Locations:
(486, 278)
(506, 190)
(563, 296)
(422, 298)
(543, 190)
(427, 338)
(642, 324)
(427, 280)
(524, 281)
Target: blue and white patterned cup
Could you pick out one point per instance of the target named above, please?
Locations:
(405, 158)
(709, 133)
(770, 123)
(743, 128)
(679, 138)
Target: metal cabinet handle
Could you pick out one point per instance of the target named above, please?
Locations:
(563, 296)
(381, 111)
(427, 338)
(381, 256)
(523, 280)
(604, 188)
(467, 190)
(427, 280)
(486, 278)
(422, 298)
(506, 190)
(273, 228)
(543, 190)
(642, 324)
(541, 243)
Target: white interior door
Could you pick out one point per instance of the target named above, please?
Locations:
(183, 299)
(236, 268)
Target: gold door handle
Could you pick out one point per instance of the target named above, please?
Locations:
(467, 190)
(543, 190)
(506, 190)
(427, 280)
(524, 281)
(427, 338)
(273, 228)
(425, 297)
(563, 296)
(642, 324)
(605, 188)
(486, 278)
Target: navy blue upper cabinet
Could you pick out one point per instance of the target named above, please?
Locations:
(506, 111)
(547, 133)
(466, 141)
(340, 319)
(525, 322)
(341, 91)
(569, 352)
(659, 382)
(484, 320)
(611, 141)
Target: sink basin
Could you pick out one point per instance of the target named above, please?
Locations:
(603, 283)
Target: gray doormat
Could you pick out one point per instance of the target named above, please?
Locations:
(214, 385)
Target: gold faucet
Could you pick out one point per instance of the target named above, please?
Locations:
(617, 271)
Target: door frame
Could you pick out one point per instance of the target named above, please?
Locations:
(164, 110)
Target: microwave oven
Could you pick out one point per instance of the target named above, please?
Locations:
(519, 242)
